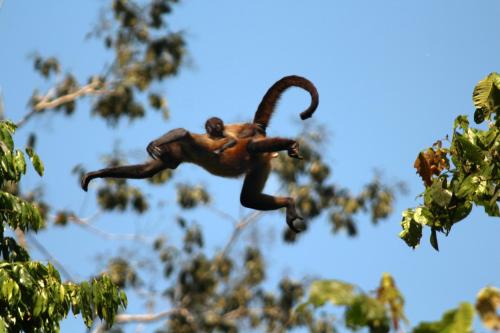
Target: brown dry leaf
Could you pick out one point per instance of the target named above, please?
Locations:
(431, 162)
(487, 302)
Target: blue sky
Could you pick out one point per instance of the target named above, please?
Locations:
(392, 76)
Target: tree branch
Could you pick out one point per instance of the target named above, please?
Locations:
(222, 214)
(150, 317)
(237, 231)
(46, 102)
(84, 223)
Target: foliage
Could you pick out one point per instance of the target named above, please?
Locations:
(361, 310)
(487, 302)
(32, 296)
(466, 173)
(454, 321)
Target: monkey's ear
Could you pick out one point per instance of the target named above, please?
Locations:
(274, 155)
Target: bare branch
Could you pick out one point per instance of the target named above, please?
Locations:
(85, 90)
(237, 231)
(84, 223)
(151, 317)
(146, 318)
(93, 88)
(222, 214)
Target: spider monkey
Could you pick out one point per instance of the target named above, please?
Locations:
(215, 130)
(229, 150)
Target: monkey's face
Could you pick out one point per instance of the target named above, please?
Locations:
(215, 127)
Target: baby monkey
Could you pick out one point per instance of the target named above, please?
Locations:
(215, 130)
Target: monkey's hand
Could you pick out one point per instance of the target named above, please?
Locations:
(293, 151)
(85, 182)
(229, 144)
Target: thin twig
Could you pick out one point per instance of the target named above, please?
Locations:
(237, 231)
(223, 214)
(106, 235)
(50, 257)
(146, 318)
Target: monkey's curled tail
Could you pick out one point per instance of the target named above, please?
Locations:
(270, 99)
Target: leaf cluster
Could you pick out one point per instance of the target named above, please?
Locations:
(145, 50)
(466, 173)
(32, 296)
(361, 310)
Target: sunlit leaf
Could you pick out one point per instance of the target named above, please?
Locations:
(412, 230)
(35, 160)
(486, 97)
(336, 292)
(454, 321)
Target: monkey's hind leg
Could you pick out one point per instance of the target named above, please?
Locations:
(252, 197)
(137, 171)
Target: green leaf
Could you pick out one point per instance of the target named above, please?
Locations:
(123, 299)
(20, 162)
(440, 195)
(368, 312)
(468, 186)
(38, 305)
(6, 139)
(412, 231)
(35, 160)
(424, 216)
(19, 214)
(334, 291)
(490, 207)
(62, 293)
(488, 138)
(486, 97)
(434, 240)
(461, 122)
(468, 149)
(454, 321)
(461, 211)
(8, 125)
(3, 328)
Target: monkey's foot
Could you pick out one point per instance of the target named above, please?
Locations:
(153, 151)
(293, 151)
(294, 220)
